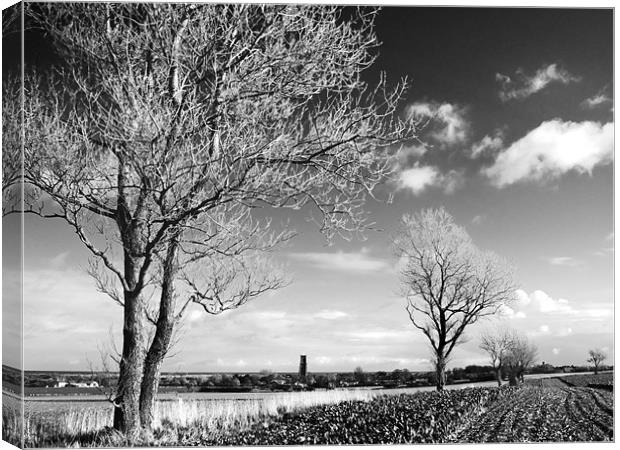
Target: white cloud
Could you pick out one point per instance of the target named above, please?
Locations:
(417, 179)
(509, 313)
(539, 302)
(523, 85)
(552, 149)
(488, 145)
(420, 178)
(270, 315)
(195, 316)
(544, 329)
(330, 314)
(446, 122)
(610, 236)
(342, 261)
(598, 99)
(556, 351)
(567, 261)
(452, 181)
(410, 154)
(379, 335)
(567, 331)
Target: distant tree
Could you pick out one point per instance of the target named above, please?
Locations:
(521, 355)
(162, 128)
(360, 375)
(245, 380)
(497, 345)
(226, 380)
(448, 282)
(321, 381)
(597, 357)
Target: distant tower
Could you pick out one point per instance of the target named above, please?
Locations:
(303, 367)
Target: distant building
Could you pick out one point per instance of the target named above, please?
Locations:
(303, 367)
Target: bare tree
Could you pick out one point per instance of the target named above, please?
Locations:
(448, 282)
(11, 19)
(497, 345)
(11, 116)
(521, 355)
(165, 126)
(597, 357)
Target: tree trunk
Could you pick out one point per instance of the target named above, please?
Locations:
(127, 411)
(513, 378)
(440, 372)
(498, 375)
(595, 370)
(161, 341)
(148, 393)
(152, 371)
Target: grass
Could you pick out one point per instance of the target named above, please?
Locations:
(176, 422)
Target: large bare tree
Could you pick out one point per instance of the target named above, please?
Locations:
(165, 127)
(11, 114)
(447, 281)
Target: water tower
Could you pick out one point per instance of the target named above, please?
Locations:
(303, 368)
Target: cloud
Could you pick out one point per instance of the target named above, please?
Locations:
(342, 261)
(478, 219)
(379, 335)
(556, 351)
(539, 301)
(610, 236)
(418, 178)
(410, 154)
(488, 145)
(567, 261)
(552, 149)
(195, 315)
(453, 181)
(509, 313)
(59, 261)
(567, 331)
(330, 314)
(446, 122)
(597, 100)
(523, 85)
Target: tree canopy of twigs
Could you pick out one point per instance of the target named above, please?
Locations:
(497, 344)
(163, 127)
(596, 358)
(521, 354)
(509, 351)
(447, 281)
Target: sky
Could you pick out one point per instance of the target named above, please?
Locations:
(519, 149)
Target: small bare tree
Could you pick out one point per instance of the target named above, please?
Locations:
(165, 127)
(448, 282)
(521, 355)
(497, 345)
(597, 357)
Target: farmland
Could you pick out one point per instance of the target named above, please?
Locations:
(544, 409)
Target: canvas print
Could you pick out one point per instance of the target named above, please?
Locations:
(301, 224)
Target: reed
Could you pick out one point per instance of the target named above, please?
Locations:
(176, 421)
